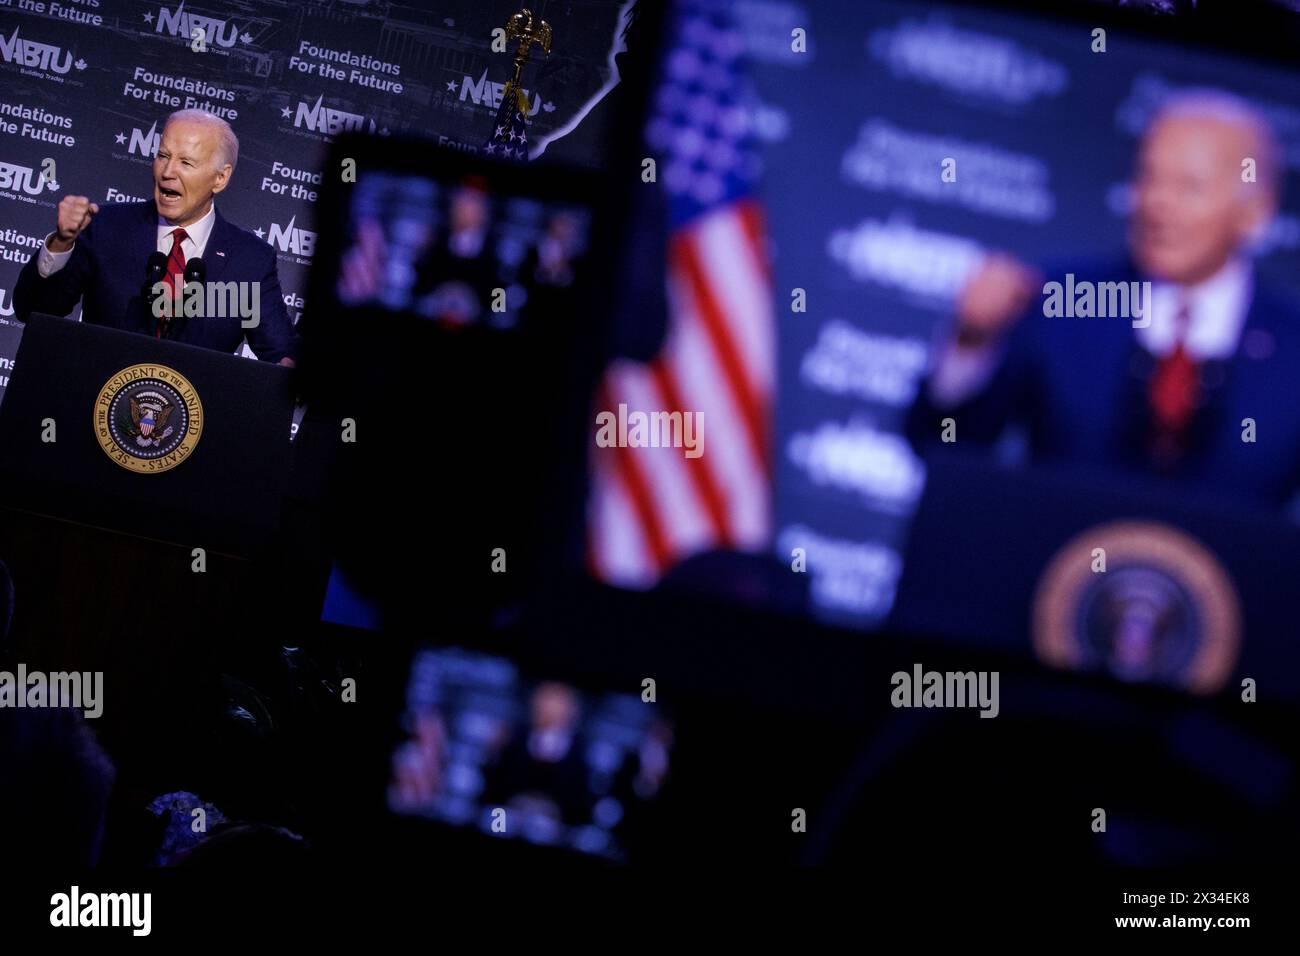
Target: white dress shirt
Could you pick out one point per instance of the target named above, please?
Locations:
(1218, 307)
(48, 263)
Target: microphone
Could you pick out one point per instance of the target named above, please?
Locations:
(196, 270)
(155, 267)
(155, 270)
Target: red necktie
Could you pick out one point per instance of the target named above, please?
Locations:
(1173, 391)
(175, 269)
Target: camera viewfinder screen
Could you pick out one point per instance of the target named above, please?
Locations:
(533, 760)
(457, 254)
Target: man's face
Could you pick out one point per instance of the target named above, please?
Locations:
(563, 228)
(469, 211)
(553, 706)
(1192, 211)
(185, 172)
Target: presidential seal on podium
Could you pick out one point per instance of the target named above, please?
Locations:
(148, 418)
(1142, 601)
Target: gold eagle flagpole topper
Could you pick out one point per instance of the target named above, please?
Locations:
(523, 28)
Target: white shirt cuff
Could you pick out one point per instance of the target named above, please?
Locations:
(48, 263)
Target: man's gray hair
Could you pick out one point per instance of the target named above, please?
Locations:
(1225, 107)
(227, 141)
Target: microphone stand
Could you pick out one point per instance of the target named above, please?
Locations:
(196, 270)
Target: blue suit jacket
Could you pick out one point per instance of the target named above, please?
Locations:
(1077, 389)
(107, 267)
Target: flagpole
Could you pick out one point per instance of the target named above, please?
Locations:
(521, 27)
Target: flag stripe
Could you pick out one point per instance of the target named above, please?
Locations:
(731, 457)
(676, 500)
(638, 492)
(730, 260)
(684, 259)
(751, 218)
(617, 549)
(699, 468)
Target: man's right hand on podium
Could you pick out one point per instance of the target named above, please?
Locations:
(75, 213)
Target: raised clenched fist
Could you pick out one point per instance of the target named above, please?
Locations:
(75, 213)
(996, 295)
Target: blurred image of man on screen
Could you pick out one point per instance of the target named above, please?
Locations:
(458, 272)
(104, 255)
(1195, 382)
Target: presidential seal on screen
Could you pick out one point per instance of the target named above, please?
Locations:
(148, 418)
(1142, 601)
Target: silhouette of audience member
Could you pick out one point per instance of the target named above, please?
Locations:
(55, 781)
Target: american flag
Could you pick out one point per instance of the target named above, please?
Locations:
(652, 507)
(509, 138)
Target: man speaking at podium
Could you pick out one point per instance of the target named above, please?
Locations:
(1176, 392)
(113, 256)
